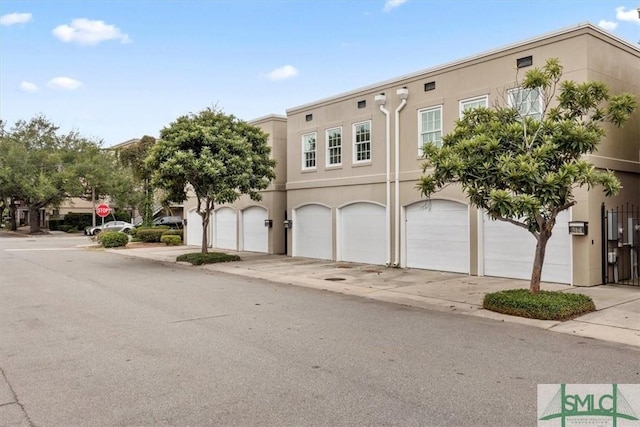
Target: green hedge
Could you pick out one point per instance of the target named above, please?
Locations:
(113, 239)
(149, 235)
(545, 305)
(170, 240)
(174, 233)
(78, 220)
(198, 258)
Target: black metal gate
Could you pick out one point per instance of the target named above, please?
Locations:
(621, 245)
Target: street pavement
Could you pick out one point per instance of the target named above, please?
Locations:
(130, 337)
(616, 319)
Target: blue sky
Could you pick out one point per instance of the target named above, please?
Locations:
(116, 70)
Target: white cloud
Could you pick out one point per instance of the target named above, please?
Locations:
(630, 15)
(66, 83)
(608, 25)
(283, 73)
(15, 18)
(28, 87)
(392, 4)
(86, 32)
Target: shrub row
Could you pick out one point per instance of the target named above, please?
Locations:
(545, 305)
(170, 240)
(198, 258)
(154, 235)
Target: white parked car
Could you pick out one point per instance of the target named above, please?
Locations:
(123, 226)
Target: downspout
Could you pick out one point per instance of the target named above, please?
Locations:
(380, 101)
(403, 94)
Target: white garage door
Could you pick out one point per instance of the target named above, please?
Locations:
(255, 236)
(194, 229)
(509, 251)
(312, 234)
(226, 229)
(437, 236)
(362, 233)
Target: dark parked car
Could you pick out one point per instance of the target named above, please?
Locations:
(171, 221)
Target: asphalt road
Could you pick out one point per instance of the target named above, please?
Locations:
(90, 338)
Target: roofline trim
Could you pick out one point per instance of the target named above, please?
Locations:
(564, 31)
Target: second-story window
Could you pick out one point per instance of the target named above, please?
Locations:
(334, 147)
(309, 151)
(362, 142)
(469, 104)
(528, 102)
(430, 123)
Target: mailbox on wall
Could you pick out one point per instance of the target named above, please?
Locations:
(578, 228)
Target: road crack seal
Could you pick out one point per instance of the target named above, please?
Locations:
(15, 398)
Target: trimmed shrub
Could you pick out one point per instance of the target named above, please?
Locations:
(174, 233)
(149, 235)
(133, 232)
(57, 225)
(113, 239)
(545, 305)
(78, 220)
(198, 258)
(170, 240)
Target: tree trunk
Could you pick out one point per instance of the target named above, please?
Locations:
(541, 248)
(13, 216)
(147, 204)
(34, 220)
(205, 231)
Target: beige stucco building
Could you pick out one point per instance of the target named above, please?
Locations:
(350, 163)
(247, 225)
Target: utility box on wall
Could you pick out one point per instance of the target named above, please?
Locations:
(578, 228)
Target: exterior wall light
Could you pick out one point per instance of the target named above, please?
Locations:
(287, 223)
(268, 223)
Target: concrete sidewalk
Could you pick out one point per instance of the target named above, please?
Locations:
(617, 318)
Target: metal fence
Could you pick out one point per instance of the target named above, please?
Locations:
(621, 245)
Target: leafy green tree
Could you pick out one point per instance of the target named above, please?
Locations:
(523, 169)
(217, 156)
(133, 156)
(43, 168)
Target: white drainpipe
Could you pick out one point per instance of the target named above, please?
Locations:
(380, 100)
(403, 94)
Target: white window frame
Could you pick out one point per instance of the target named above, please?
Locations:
(355, 143)
(337, 147)
(511, 101)
(305, 160)
(422, 132)
(475, 99)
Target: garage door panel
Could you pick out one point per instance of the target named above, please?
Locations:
(255, 236)
(194, 229)
(362, 233)
(312, 232)
(509, 251)
(437, 236)
(226, 229)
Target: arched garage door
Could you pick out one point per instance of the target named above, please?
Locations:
(437, 236)
(255, 236)
(509, 251)
(226, 229)
(312, 235)
(362, 233)
(194, 229)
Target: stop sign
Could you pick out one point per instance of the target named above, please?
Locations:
(103, 210)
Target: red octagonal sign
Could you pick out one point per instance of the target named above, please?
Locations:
(103, 210)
